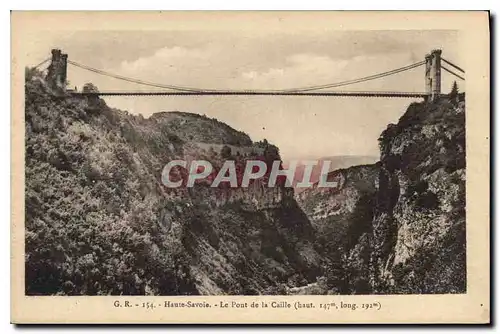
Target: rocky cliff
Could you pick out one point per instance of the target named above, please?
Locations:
(399, 226)
(340, 216)
(417, 239)
(99, 221)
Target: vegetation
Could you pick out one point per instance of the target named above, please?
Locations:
(402, 228)
(31, 72)
(424, 159)
(99, 222)
(454, 93)
(90, 88)
(225, 152)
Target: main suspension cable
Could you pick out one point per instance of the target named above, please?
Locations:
(300, 89)
(43, 62)
(359, 80)
(451, 72)
(453, 65)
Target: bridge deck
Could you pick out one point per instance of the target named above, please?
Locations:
(256, 93)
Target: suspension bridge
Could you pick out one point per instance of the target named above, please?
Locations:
(433, 64)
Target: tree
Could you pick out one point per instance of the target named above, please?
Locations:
(90, 88)
(30, 72)
(225, 152)
(454, 92)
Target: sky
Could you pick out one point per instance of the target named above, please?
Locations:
(302, 127)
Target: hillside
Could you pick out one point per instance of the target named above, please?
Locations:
(418, 235)
(336, 212)
(399, 226)
(99, 221)
(340, 216)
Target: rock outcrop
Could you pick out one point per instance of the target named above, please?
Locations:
(418, 233)
(338, 213)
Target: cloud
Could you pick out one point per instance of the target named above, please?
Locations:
(301, 69)
(272, 73)
(307, 69)
(165, 57)
(211, 67)
(208, 67)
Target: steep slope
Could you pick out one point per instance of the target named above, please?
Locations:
(99, 221)
(399, 226)
(337, 213)
(340, 216)
(418, 237)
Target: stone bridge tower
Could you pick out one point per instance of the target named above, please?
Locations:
(433, 74)
(57, 70)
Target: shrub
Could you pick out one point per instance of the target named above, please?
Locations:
(225, 152)
(90, 88)
(428, 200)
